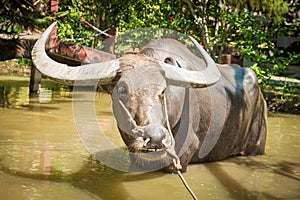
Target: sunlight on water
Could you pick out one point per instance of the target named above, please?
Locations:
(42, 157)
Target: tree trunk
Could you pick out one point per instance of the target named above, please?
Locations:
(202, 23)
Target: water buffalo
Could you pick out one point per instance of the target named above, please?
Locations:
(171, 104)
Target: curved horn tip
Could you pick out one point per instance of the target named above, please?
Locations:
(195, 79)
(48, 31)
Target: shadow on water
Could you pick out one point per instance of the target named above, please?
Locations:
(237, 191)
(93, 177)
(283, 168)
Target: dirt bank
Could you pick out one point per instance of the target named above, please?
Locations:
(14, 67)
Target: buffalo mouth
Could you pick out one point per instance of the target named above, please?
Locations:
(148, 158)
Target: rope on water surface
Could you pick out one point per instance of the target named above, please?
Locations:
(176, 160)
(187, 185)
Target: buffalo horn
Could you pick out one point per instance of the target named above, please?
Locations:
(188, 78)
(89, 74)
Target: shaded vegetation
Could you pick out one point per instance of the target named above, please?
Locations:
(19, 15)
(283, 96)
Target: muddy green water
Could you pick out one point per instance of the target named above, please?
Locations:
(42, 157)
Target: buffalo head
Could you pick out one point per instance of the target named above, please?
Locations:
(139, 83)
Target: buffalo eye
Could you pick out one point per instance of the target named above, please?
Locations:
(122, 90)
(169, 60)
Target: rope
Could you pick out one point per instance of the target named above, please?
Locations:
(95, 28)
(176, 160)
(167, 118)
(186, 185)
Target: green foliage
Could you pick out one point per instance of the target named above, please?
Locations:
(18, 15)
(155, 14)
(124, 15)
(257, 43)
(24, 61)
(290, 25)
(70, 26)
(252, 26)
(274, 10)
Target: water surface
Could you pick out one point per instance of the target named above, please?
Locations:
(42, 157)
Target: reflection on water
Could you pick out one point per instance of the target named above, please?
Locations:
(42, 157)
(14, 92)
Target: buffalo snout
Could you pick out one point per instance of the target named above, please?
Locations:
(156, 137)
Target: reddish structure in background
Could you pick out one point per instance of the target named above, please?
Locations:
(53, 4)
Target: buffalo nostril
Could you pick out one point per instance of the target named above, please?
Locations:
(146, 141)
(153, 137)
(152, 143)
